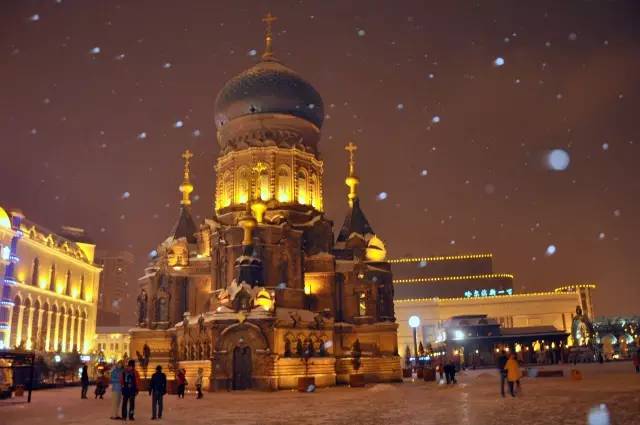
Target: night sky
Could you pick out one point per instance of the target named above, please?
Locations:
(455, 106)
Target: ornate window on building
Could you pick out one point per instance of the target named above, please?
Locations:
(24, 337)
(83, 294)
(227, 189)
(263, 185)
(242, 185)
(284, 184)
(44, 327)
(52, 278)
(35, 271)
(67, 286)
(314, 192)
(15, 317)
(362, 303)
(35, 329)
(303, 190)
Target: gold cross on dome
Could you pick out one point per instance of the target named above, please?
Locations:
(351, 148)
(268, 38)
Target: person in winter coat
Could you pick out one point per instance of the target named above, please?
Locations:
(157, 389)
(182, 382)
(636, 360)
(116, 390)
(101, 386)
(199, 378)
(84, 380)
(513, 373)
(502, 362)
(130, 382)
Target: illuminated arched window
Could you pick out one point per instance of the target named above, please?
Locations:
(52, 278)
(67, 287)
(263, 185)
(284, 184)
(83, 294)
(314, 191)
(227, 189)
(35, 271)
(15, 317)
(303, 190)
(24, 336)
(242, 186)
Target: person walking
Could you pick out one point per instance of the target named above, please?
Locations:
(502, 362)
(157, 389)
(199, 379)
(182, 382)
(130, 382)
(116, 390)
(636, 360)
(101, 385)
(513, 373)
(84, 381)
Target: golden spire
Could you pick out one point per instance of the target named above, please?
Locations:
(352, 181)
(186, 187)
(268, 36)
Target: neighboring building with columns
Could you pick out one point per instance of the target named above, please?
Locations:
(49, 287)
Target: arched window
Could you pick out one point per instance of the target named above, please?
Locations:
(52, 278)
(35, 330)
(83, 294)
(242, 186)
(83, 324)
(67, 287)
(24, 336)
(53, 344)
(284, 184)
(263, 185)
(60, 329)
(44, 327)
(227, 189)
(14, 321)
(314, 192)
(35, 271)
(303, 191)
(69, 344)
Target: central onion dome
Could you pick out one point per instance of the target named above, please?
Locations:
(268, 88)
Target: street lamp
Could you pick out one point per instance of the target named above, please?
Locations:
(414, 322)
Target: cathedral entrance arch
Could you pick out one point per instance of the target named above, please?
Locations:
(241, 368)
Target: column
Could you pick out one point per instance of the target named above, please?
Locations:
(6, 337)
(72, 318)
(47, 341)
(29, 337)
(64, 332)
(82, 331)
(18, 329)
(56, 333)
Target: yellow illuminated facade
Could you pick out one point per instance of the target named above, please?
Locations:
(50, 287)
(112, 342)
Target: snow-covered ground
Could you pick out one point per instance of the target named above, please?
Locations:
(474, 400)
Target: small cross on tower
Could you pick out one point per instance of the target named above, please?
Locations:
(351, 148)
(268, 20)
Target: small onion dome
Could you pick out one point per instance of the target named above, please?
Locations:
(268, 87)
(376, 250)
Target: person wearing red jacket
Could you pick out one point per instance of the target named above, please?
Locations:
(130, 382)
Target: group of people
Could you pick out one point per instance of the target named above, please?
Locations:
(125, 386)
(509, 371)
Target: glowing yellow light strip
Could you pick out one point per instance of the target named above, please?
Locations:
(441, 258)
(529, 294)
(576, 286)
(449, 278)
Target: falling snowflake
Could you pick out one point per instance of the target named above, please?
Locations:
(452, 242)
(551, 249)
(196, 197)
(95, 50)
(558, 160)
(33, 131)
(166, 65)
(126, 195)
(34, 18)
(422, 264)
(381, 196)
(601, 235)
(120, 57)
(605, 146)
(142, 136)
(423, 173)
(431, 76)
(103, 229)
(573, 36)
(499, 61)
(617, 213)
(547, 44)
(122, 217)
(252, 52)
(435, 119)
(489, 189)
(196, 133)
(559, 96)
(400, 106)
(46, 101)
(178, 124)
(361, 33)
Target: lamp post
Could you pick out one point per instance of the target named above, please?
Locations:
(414, 322)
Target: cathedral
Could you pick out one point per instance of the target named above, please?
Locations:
(262, 294)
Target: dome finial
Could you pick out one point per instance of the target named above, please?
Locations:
(186, 187)
(352, 181)
(268, 36)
